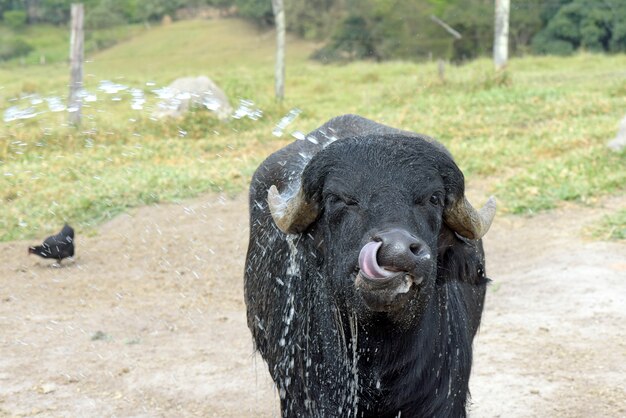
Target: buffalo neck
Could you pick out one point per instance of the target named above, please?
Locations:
(408, 366)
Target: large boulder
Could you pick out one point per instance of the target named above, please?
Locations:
(619, 143)
(183, 93)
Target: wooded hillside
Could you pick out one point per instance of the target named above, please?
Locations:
(365, 29)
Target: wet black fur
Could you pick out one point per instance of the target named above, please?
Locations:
(327, 353)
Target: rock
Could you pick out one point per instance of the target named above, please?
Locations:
(47, 388)
(100, 336)
(185, 92)
(619, 143)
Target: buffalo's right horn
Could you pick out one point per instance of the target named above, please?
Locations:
(467, 221)
(293, 214)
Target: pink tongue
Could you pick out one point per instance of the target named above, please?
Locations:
(368, 262)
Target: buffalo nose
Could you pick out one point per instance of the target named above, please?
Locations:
(400, 250)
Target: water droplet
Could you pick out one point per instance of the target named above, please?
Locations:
(247, 109)
(110, 87)
(138, 99)
(286, 120)
(18, 113)
(211, 103)
(55, 104)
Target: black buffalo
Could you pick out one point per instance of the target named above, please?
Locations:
(365, 273)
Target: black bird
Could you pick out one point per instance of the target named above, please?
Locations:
(57, 246)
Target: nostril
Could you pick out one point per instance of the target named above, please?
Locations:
(415, 248)
(420, 251)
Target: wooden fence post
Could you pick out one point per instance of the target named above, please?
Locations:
(501, 36)
(74, 103)
(441, 69)
(279, 18)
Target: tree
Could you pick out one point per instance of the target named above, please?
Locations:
(259, 11)
(592, 25)
(474, 19)
(525, 22)
(13, 48)
(312, 19)
(155, 10)
(10, 5)
(55, 11)
(14, 19)
(105, 15)
(386, 29)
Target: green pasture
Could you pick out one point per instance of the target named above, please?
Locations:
(50, 43)
(533, 136)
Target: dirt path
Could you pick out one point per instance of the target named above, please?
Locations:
(149, 320)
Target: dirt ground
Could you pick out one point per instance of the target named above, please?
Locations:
(149, 320)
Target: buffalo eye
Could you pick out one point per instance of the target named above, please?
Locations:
(436, 199)
(342, 200)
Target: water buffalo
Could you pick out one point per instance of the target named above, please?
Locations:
(365, 273)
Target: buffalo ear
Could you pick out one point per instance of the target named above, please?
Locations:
(459, 258)
(292, 213)
(298, 205)
(447, 238)
(459, 214)
(314, 175)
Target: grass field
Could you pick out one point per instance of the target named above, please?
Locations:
(536, 135)
(611, 227)
(50, 43)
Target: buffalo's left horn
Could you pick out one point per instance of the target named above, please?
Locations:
(294, 214)
(467, 221)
